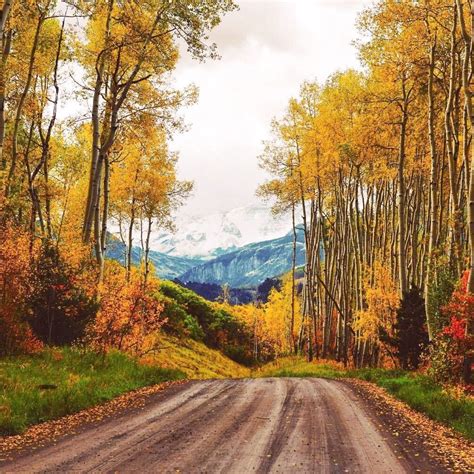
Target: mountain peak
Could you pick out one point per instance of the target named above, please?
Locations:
(210, 235)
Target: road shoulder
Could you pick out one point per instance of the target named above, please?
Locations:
(413, 432)
(50, 432)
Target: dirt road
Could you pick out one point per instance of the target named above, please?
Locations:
(236, 426)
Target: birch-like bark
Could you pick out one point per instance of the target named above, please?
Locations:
(19, 109)
(402, 192)
(94, 180)
(293, 287)
(467, 72)
(433, 192)
(5, 43)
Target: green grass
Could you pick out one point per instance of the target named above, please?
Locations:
(80, 380)
(60, 382)
(57, 382)
(417, 390)
(422, 394)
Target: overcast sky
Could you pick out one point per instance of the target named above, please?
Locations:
(268, 48)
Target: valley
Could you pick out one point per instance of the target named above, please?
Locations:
(250, 265)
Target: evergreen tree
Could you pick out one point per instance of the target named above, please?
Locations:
(410, 329)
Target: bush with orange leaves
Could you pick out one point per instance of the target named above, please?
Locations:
(129, 313)
(17, 251)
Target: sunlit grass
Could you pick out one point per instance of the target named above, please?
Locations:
(195, 359)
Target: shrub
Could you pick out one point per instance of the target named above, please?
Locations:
(444, 366)
(17, 251)
(452, 349)
(178, 321)
(128, 313)
(410, 334)
(440, 289)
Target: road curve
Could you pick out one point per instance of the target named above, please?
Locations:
(234, 426)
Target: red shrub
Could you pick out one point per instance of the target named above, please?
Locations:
(453, 346)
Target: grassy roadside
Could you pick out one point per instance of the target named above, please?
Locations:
(61, 382)
(418, 391)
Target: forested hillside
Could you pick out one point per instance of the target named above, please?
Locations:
(247, 266)
(250, 265)
(165, 266)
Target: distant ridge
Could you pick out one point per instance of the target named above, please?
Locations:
(249, 265)
(167, 267)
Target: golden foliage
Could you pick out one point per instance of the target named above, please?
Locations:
(382, 302)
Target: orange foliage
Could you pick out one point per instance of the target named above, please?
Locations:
(128, 314)
(16, 253)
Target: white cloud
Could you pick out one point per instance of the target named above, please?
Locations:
(268, 48)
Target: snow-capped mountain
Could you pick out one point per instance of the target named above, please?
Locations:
(249, 265)
(240, 247)
(212, 235)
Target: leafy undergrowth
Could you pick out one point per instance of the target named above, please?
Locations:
(418, 391)
(57, 382)
(195, 359)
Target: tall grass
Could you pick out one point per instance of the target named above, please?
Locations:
(420, 392)
(57, 382)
